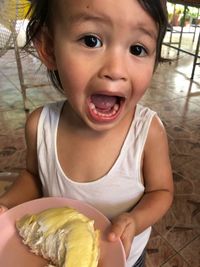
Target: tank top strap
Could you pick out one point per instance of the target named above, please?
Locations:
(48, 122)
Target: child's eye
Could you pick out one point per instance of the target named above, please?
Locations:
(138, 50)
(91, 41)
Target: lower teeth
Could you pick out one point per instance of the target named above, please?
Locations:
(113, 111)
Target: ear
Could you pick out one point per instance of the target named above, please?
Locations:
(44, 46)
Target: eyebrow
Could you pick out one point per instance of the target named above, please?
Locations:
(150, 32)
(86, 16)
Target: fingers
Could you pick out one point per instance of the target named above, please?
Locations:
(127, 238)
(123, 227)
(117, 228)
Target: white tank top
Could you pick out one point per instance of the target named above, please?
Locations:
(118, 191)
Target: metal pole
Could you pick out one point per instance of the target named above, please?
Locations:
(195, 57)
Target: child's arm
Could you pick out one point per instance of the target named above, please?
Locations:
(27, 185)
(158, 194)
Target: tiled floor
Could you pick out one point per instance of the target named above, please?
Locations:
(175, 240)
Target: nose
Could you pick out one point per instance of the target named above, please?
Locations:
(114, 66)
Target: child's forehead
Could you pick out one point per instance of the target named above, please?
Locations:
(122, 9)
(70, 6)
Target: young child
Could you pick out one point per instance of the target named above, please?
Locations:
(100, 146)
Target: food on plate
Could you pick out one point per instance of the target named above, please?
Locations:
(63, 236)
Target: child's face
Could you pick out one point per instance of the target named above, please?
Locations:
(104, 51)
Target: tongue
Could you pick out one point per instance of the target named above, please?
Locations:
(104, 101)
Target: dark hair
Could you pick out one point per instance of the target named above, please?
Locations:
(40, 15)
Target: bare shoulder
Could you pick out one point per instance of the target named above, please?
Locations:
(157, 128)
(32, 122)
(156, 165)
(156, 147)
(157, 133)
(31, 141)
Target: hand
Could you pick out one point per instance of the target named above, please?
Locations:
(2, 209)
(123, 227)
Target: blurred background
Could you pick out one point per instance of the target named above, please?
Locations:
(174, 94)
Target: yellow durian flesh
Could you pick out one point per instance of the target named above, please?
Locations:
(62, 235)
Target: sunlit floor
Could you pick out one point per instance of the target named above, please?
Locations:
(175, 240)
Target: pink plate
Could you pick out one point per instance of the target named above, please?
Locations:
(14, 253)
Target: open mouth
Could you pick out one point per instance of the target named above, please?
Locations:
(105, 107)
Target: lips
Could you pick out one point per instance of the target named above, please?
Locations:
(104, 107)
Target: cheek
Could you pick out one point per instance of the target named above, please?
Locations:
(144, 80)
(71, 73)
